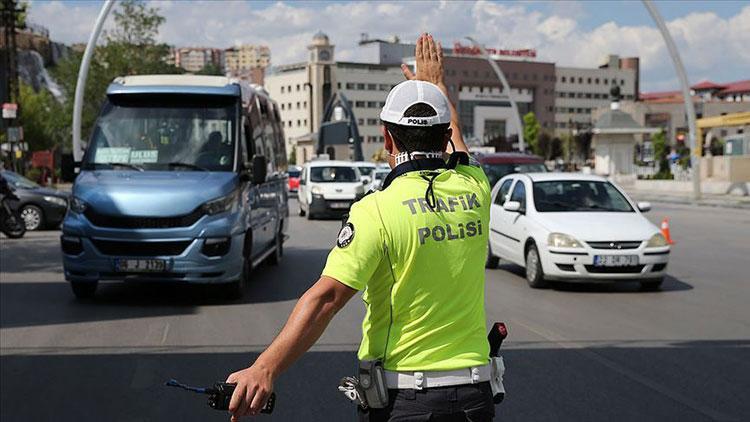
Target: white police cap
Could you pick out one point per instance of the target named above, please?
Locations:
(408, 93)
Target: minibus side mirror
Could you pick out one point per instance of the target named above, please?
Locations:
(246, 172)
(259, 169)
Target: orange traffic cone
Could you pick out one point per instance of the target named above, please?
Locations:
(665, 231)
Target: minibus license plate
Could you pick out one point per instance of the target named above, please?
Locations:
(141, 265)
(615, 260)
(340, 205)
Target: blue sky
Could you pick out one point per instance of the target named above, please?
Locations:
(713, 36)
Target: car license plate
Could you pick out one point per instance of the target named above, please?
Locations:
(615, 260)
(340, 205)
(141, 265)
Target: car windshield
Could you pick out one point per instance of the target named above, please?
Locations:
(333, 175)
(294, 173)
(178, 132)
(579, 196)
(366, 170)
(18, 181)
(496, 172)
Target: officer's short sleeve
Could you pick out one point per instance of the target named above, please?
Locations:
(474, 171)
(359, 246)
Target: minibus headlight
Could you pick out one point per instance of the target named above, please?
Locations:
(219, 205)
(77, 205)
(316, 190)
(56, 200)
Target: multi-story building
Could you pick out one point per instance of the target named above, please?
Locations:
(194, 59)
(579, 91)
(303, 90)
(244, 57)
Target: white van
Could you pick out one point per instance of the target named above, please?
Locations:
(329, 188)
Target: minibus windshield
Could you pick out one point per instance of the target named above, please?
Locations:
(164, 132)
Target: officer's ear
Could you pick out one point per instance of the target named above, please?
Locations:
(388, 139)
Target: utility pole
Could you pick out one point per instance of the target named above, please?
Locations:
(9, 13)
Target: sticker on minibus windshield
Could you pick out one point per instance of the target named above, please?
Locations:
(112, 155)
(141, 156)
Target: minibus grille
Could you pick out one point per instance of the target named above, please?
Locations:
(124, 248)
(103, 220)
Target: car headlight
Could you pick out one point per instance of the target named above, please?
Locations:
(56, 200)
(359, 190)
(77, 205)
(657, 241)
(560, 240)
(316, 190)
(219, 205)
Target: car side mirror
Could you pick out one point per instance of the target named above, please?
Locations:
(246, 171)
(644, 206)
(512, 206)
(259, 169)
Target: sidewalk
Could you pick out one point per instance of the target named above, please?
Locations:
(707, 199)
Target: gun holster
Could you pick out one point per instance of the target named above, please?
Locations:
(372, 382)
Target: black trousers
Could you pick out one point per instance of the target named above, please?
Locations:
(465, 403)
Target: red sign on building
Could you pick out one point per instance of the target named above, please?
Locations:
(459, 48)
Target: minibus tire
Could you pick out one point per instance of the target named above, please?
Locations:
(84, 289)
(234, 289)
(275, 258)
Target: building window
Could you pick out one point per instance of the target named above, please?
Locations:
(361, 122)
(297, 105)
(606, 81)
(304, 122)
(589, 81)
(304, 104)
(384, 87)
(282, 89)
(298, 123)
(534, 76)
(297, 87)
(289, 124)
(359, 104)
(562, 78)
(349, 85)
(622, 81)
(361, 87)
(596, 81)
(580, 80)
(571, 94)
(588, 95)
(282, 106)
(289, 88)
(289, 106)
(381, 138)
(372, 87)
(372, 104)
(338, 85)
(372, 122)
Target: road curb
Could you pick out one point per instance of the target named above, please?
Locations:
(682, 200)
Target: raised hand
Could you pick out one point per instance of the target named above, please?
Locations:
(429, 55)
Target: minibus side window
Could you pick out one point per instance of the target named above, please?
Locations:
(268, 135)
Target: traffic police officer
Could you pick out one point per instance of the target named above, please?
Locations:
(416, 250)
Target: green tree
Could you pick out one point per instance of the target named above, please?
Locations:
(531, 129)
(42, 119)
(211, 69)
(661, 151)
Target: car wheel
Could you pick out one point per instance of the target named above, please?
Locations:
(491, 261)
(84, 289)
(275, 257)
(534, 273)
(33, 217)
(652, 285)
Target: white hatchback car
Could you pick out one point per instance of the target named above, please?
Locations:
(328, 188)
(566, 226)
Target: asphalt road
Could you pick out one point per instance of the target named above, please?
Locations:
(575, 352)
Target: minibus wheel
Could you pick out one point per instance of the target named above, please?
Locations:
(275, 258)
(84, 289)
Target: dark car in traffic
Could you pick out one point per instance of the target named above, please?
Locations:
(496, 165)
(39, 207)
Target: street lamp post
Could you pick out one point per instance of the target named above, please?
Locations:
(83, 73)
(695, 152)
(506, 88)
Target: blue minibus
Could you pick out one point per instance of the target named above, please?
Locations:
(183, 180)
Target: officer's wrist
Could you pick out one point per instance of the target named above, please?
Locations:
(269, 370)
